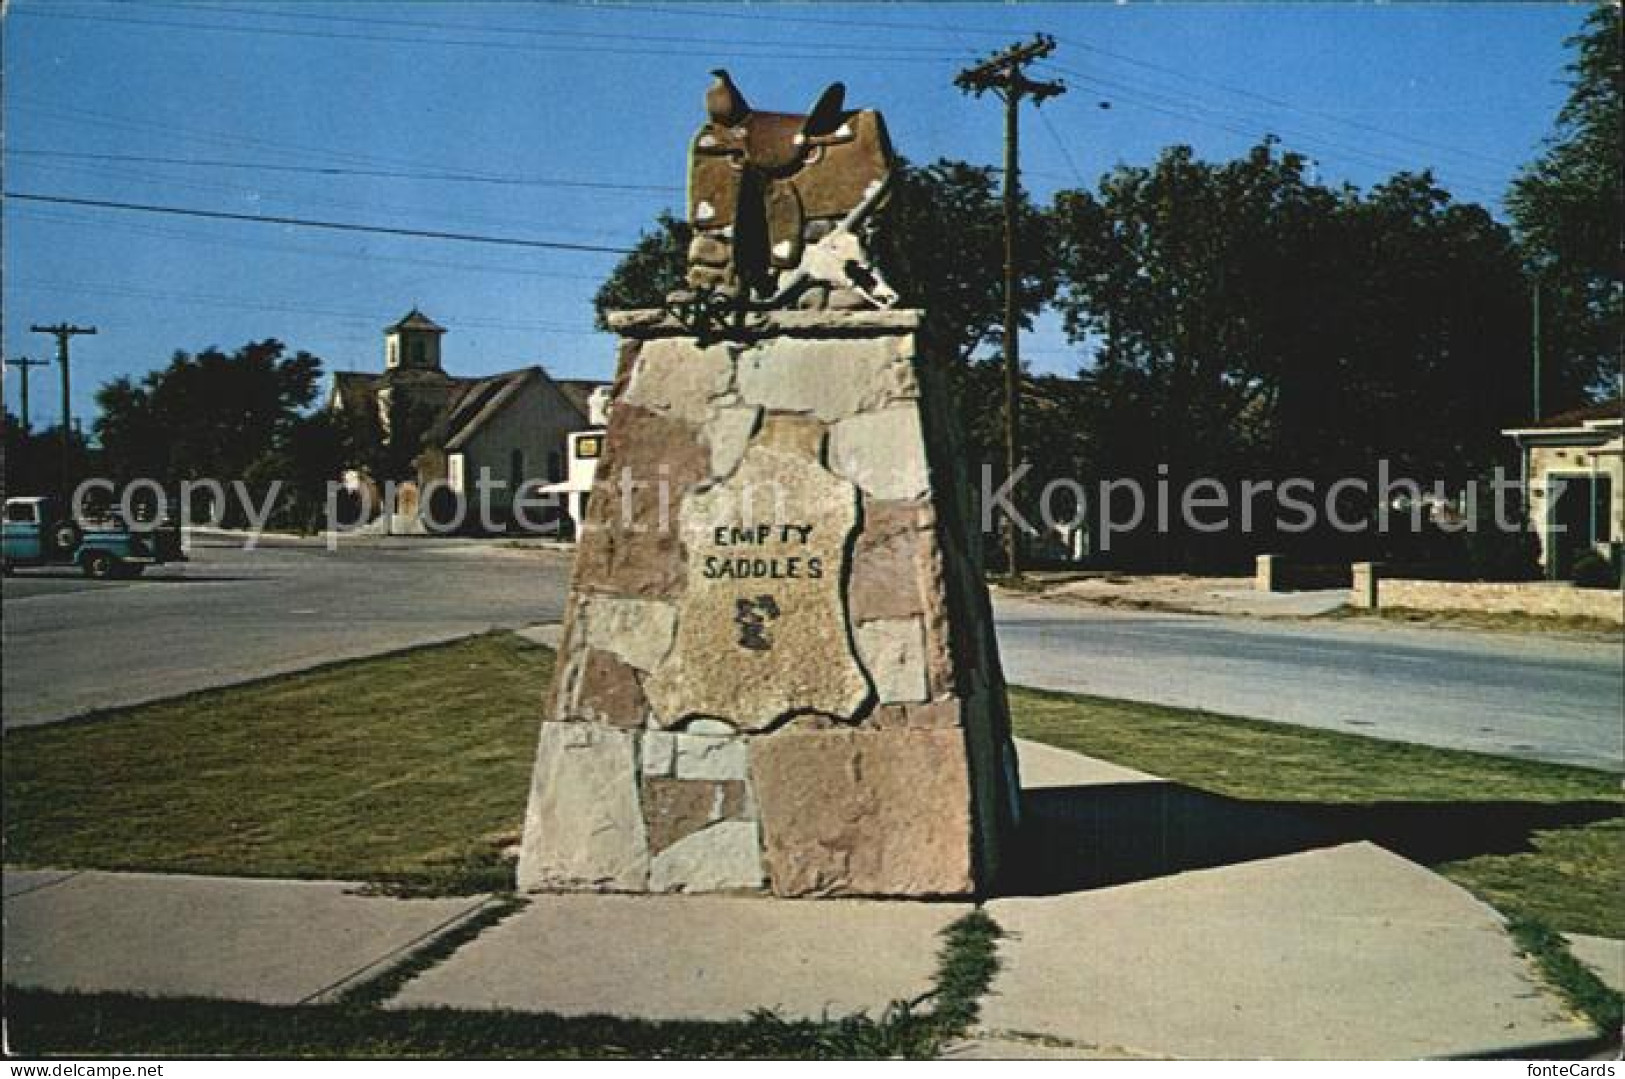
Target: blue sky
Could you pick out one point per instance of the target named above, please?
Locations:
(488, 118)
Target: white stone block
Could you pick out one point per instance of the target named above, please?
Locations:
(830, 379)
(893, 652)
(704, 757)
(659, 753)
(882, 452)
(721, 857)
(674, 377)
(639, 631)
(728, 434)
(584, 824)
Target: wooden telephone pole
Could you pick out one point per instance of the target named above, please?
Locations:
(1002, 73)
(22, 364)
(64, 333)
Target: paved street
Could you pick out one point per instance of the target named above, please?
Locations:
(72, 645)
(1517, 695)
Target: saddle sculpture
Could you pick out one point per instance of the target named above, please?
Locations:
(779, 203)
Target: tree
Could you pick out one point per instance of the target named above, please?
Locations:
(1566, 208)
(939, 241)
(218, 416)
(656, 266)
(33, 459)
(385, 438)
(1243, 322)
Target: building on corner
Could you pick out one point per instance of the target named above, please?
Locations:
(1575, 476)
(426, 440)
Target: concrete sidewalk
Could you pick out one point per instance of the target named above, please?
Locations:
(694, 957)
(1235, 596)
(1342, 953)
(270, 941)
(1328, 952)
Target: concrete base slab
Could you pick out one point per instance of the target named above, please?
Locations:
(1044, 766)
(693, 957)
(546, 634)
(994, 1048)
(21, 881)
(1343, 953)
(270, 941)
(1603, 955)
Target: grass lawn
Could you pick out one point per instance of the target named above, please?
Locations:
(1541, 841)
(1508, 621)
(411, 767)
(412, 770)
(66, 1024)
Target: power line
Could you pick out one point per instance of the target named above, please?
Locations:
(1283, 104)
(1066, 154)
(323, 170)
(1238, 126)
(215, 240)
(266, 200)
(302, 222)
(301, 202)
(841, 47)
(731, 48)
(1121, 57)
(1179, 106)
(206, 300)
(177, 130)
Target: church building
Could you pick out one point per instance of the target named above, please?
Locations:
(512, 428)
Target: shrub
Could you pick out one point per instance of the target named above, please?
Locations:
(1592, 570)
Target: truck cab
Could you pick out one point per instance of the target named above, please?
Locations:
(40, 532)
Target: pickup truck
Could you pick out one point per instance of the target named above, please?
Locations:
(39, 532)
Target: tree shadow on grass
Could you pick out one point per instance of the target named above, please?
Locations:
(1076, 838)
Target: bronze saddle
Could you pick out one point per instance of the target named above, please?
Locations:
(766, 175)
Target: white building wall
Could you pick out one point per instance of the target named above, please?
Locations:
(537, 421)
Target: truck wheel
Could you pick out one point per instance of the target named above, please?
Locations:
(66, 537)
(99, 565)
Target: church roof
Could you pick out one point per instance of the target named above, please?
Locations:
(476, 401)
(1603, 410)
(416, 320)
(578, 391)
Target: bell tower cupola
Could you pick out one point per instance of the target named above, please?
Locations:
(413, 343)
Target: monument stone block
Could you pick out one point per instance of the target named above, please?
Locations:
(778, 670)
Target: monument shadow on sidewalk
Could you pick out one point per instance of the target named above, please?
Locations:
(1101, 835)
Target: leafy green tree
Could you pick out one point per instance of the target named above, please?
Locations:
(206, 415)
(939, 241)
(655, 267)
(33, 459)
(1240, 321)
(217, 415)
(1566, 207)
(384, 442)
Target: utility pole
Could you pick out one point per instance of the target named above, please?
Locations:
(1534, 341)
(22, 364)
(1002, 73)
(64, 332)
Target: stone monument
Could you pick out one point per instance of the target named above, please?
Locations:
(778, 669)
